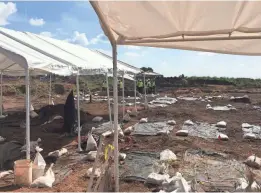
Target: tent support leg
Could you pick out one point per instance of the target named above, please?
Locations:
(1, 103)
(123, 97)
(115, 109)
(108, 96)
(145, 95)
(135, 93)
(50, 89)
(27, 103)
(78, 113)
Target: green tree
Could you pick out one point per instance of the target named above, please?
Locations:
(147, 69)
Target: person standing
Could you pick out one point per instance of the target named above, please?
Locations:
(140, 86)
(148, 86)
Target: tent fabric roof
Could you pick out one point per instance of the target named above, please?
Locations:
(230, 27)
(128, 68)
(55, 56)
(16, 57)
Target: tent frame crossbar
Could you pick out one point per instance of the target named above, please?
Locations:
(183, 39)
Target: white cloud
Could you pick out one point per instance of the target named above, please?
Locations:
(46, 34)
(206, 54)
(6, 10)
(36, 22)
(79, 38)
(133, 47)
(132, 54)
(101, 38)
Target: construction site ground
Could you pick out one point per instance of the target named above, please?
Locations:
(236, 147)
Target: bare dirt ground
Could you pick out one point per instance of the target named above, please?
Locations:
(236, 147)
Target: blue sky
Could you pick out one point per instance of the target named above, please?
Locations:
(76, 22)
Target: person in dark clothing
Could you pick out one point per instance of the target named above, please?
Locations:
(69, 114)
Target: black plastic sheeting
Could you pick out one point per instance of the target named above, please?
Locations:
(138, 166)
(151, 129)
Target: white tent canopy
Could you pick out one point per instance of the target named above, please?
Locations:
(127, 68)
(16, 57)
(230, 27)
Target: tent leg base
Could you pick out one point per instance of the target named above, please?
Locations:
(3, 116)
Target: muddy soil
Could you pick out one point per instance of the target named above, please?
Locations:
(236, 147)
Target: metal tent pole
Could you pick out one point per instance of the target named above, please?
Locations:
(108, 95)
(27, 103)
(135, 93)
(1, 103)
(123, 97)
(78, 113)
(115, 112)
(144, 86)
(50, 89)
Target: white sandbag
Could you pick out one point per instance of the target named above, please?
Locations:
(208, 106)
(183, 185)
(221, 124)
(246, 125)
(144, 120)
(33, 114)
(91, 143)
(45, 181)
(249, 136)
(243, 184)
(97, 119)
(97, 173)
(91, 156)
(63, 151)
(167, 155)
(121, 134)
(156, 179)
(229, 105)
(2, 139)
(54, 153)
(122, 156)
(127, 118)
(134, 113)
(256, 129)
(188, 122)
(31, 108)
(162, 191)
(171, 184)
(222, 137)
(161, 168)
(38, 164)
(57, 117)
(171, 122)
(128, 130)
(182, 133)
(253, 161)
(5, 173)
(107, 133)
